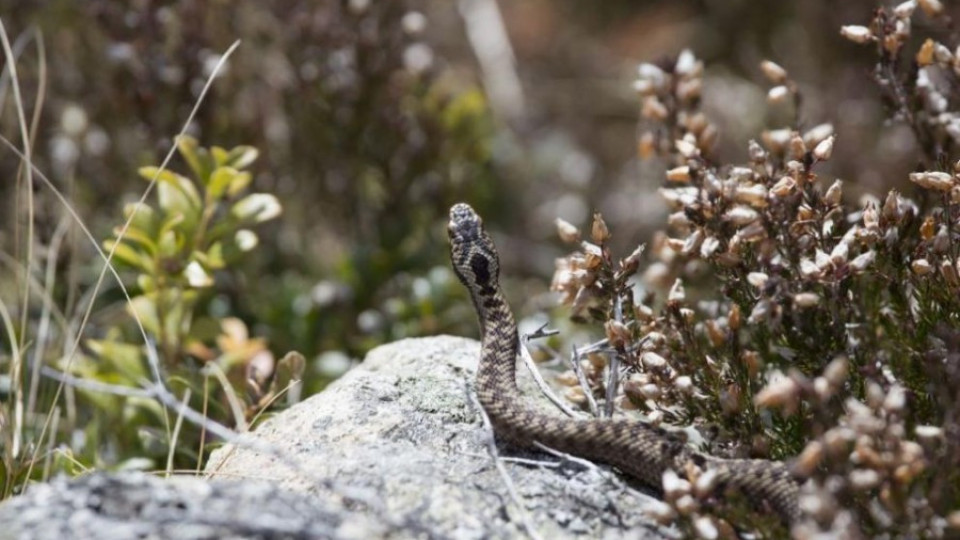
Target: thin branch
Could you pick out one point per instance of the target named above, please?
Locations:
(592, 403)
(542, 384)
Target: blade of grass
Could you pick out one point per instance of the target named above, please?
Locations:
(176, 432)
(16, 388)
(107, 267)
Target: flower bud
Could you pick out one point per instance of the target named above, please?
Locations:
(939, 181)
(824, 149)
(773, 72)
(857, 34)
(834, 192)
(680, 175)
(931, 7)
(599, 231)
(617, 334)
(567, 231)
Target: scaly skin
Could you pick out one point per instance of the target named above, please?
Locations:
(640, 450)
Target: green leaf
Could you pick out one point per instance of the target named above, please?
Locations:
(213, 258)
(145, 308)
(175, 204)
(181, 184)
(127, 360)
(146, 283)
(169, 245)
(145, 219)
(220, 155)
(128, 255)
(196, 157)
(220, 180)
(137, 236)
(241, 157)
(239, 183)
(257, 208)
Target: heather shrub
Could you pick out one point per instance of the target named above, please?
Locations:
(783, 319)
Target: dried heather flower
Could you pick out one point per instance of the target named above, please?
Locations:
(677, 293)
(839, 254)
(756, 152)
(896, 399)
(567, 231)
(692, 243)
(567, 378)
(837, 371)
(706, 528)
(733, 319)
(776, 140)
(835, 191)
(925, 54)
(646, 146)
(679, 174)
(653, 361)
(674, 487)
(939, 181)
(741, 215)
(824, 149)
(773, 72)
(684, 384)
(617, 334)
(783, 392)
(928, 433)
(931, 7)
(757, 279)
(686, 505)
(809, 269)
(857, 34)
(599, 231)
(778, 94)
(687, 146)
(806, 299)
(949, 273)
(575, 395)
(755, 195)
(660, 512)
(653, 109)
(710, 246)
(864, 479)
(809, 459)
(785, 186)
(816, 134)
(905, 9)
(921, 267)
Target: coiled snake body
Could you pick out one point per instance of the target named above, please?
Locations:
(640, 450)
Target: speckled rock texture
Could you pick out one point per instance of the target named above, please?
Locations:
(402, 429)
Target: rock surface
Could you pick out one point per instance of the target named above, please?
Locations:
(394, 449)
(402, 429)
(136, 505)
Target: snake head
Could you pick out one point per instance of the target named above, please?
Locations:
(472, 252)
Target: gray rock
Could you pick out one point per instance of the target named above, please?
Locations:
(394, 449)
(136, 505)
(401, 431)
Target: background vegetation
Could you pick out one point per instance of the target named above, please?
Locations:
(354, 125)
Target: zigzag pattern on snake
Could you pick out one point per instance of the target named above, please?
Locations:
(639, 450)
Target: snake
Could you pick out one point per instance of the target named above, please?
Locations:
(638, 449)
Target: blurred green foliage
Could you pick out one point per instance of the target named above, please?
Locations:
(359, 138)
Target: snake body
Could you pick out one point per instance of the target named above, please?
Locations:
(639, 450)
